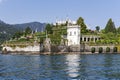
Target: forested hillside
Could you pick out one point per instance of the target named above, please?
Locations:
(8, 30)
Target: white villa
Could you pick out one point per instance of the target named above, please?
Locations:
(74, 36)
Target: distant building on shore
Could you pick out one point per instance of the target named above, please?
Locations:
(64, 22)
(73, 34)
(73, 31)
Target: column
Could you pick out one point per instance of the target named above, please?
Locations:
(86, 39)
(82, 38)
(94, 39)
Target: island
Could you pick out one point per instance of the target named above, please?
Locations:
(64, 37)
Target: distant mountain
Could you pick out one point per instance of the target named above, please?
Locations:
(33, 25)
(1, 22)
(8, 30)
(12, 28)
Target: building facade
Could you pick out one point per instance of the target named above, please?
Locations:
(73, 35)
(89, 38)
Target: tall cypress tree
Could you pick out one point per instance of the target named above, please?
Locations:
(49, 28)
(81, 22)
(110, 26)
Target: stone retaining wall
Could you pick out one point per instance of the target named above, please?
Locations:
(35, 48)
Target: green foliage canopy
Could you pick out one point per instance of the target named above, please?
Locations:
(81, 22)
(97, 28)
(48, 28)
(28, 30)
(110, 26)
(118, 30)
(17, 35)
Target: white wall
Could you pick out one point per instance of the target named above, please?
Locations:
(73, 35)
(28, 48)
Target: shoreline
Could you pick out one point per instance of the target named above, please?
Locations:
(51, 53)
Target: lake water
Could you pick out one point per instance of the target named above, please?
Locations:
(60, 67)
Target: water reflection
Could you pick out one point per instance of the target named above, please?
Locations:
(110, 71)
(73, 62)
(60, 67)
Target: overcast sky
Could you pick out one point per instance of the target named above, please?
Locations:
(94, 12)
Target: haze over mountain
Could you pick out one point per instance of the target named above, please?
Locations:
(1, 22)
(33, 25)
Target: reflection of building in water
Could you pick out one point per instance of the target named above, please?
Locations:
(73, 65)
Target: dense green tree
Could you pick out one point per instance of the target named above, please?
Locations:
(97, 28)
(102, 31)
(17, 35)
(28, 30)
(109, 38)
(48, 28)
(80, 22)
(118, 30)
(110, 26)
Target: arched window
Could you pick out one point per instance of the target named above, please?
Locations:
(95, 39)
(81, 39)
(84, 39)
(88, 39)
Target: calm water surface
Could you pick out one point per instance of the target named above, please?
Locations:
(60, 67)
